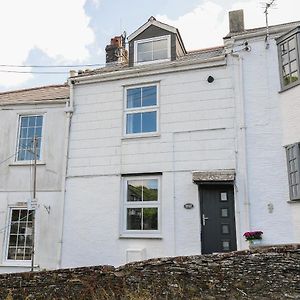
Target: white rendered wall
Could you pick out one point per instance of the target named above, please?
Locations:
(196, 133)
(16, 184)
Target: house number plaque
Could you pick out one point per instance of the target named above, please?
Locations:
(188, 205)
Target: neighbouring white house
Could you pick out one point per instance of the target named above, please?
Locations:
(25, 114)
(178, 153)
(289, 94)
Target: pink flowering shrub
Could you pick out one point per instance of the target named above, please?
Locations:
(253, 235)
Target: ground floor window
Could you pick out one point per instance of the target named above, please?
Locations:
(141, 204)
(20, 234)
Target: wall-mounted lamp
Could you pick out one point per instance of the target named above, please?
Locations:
(210, 79)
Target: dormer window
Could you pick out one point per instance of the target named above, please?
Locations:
(156, 49)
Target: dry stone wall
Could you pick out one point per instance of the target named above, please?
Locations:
(264, 273)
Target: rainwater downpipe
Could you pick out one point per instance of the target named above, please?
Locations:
(243, 140)
(69, 112)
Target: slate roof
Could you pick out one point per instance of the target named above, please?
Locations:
(197, 55)
(262, 30)
(51, 93)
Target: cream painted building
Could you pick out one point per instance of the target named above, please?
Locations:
(25, 114)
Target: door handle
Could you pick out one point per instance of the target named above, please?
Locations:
(204, 218)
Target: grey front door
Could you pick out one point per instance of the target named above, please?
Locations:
(217, 218)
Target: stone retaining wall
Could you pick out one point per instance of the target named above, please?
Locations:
(265, 273)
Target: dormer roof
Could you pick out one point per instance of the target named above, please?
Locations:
(152, 21)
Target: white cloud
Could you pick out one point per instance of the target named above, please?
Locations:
(207, 24)
(58, 28)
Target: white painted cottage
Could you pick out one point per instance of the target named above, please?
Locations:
(168, 152)
(178, 153)
(25, 114)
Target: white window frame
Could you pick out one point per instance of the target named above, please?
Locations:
(154, 39)
(13, 262)
(125, 233)
(141, 110)
(20, 116)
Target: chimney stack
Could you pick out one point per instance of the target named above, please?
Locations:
(236, 21)
(116, 51)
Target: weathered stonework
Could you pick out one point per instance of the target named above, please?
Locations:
(266, 273)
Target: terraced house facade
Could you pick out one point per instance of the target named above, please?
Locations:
(173, 152)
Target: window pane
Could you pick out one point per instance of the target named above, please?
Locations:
(39, 121)
(160, 45)
(150, 218)
(160, 54)
(149, 121)
(144, 56)
(225, 229)
(293, 55)
(24, 121)
(134, 218)
(134, 98)
(294, 66)
(135, 190)
(286, 69)
(150, 190)
(149, 96)
(292, 44)
(283, 48)
(32, 121)
(133, 123)
(144, 47)
(224, 212)
(160, 49)
(285, 59)
(294, 76)
(226, 245)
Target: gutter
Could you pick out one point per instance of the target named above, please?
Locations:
(150, 70)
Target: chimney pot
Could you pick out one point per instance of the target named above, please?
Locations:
(236, 21)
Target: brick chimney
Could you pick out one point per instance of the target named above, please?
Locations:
(236, 21)
(116, 52)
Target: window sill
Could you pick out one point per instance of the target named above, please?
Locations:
(294, 201)
(290, 86)
(140, 236)
(139, 136)
(26, 163)
(18, 263)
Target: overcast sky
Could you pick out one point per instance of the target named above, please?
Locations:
(68, 32)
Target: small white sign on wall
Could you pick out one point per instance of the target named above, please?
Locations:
(32, 204)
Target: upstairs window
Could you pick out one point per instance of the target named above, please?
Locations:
(293, 161)
(29, 127)
(141, 109)
(152, 50)
(289, 60)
